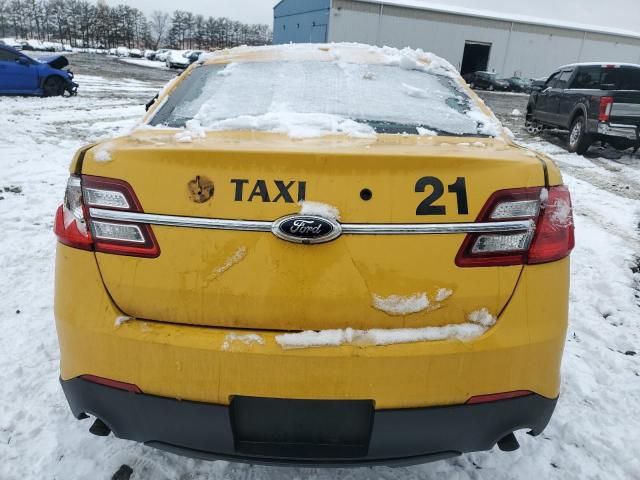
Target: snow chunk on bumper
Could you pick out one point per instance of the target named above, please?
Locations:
(376, 337)
(401, 305)
(482, 317)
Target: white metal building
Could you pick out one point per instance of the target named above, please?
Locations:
(470, 39)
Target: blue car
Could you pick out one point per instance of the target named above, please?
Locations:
(22, 75)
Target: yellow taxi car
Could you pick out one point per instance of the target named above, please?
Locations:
(318, 255)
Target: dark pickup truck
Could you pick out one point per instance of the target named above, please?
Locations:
(593, 101)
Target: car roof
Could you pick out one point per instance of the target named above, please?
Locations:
(599, 64)
(344, 52)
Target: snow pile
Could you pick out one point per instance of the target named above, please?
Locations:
(410, 59)
(425, 132)
(442, 294)
(192, 131)
(319, 209)
(143, 62)
(379, 337)
(247, 339)
(401, 305)
(544, 197)
(102, 154)
(228, 69)
(482, 317)
(295, 125)
(516, 113)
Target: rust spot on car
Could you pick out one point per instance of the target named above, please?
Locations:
(200, 189)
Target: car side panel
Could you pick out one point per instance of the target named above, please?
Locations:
(15, 77)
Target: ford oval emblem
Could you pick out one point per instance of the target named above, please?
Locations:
(306, 229)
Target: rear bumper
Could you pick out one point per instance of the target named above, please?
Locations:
(629, 132)
(397, 436)
(211, 365)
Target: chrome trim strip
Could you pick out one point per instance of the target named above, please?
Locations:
(347, 228)
(175, 221)
(436, 228)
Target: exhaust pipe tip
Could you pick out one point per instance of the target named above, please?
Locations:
(99, 428)
(508, 443)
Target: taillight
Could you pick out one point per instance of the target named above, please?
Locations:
(549, 236)
(70, 224)
(555, 237)
(120, 238)
(606, 104)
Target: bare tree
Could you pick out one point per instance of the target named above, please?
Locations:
(159, 27)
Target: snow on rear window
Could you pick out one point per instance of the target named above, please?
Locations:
(326, 97)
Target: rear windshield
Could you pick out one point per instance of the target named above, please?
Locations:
(623, 78)
(261, 95)
(595, 77)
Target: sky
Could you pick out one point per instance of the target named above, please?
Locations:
(621, 14)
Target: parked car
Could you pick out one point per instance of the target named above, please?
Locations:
(193, 55)
(219, 318)
(135, 53)
(161, 55)
(122, 52)
(537, 84)
(178, 59)
(22, 75)
(517, 84)
(150, 54)
(486, 81)
(593, 101)
(13, 43)
(113, 52)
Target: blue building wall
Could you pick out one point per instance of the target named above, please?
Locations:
(301, 21)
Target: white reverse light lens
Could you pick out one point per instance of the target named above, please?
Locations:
(519, 209)
(105, 198)
(118, 232)
(502, 243)
(73, 205)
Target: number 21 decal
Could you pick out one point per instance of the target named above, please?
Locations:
(427, 207)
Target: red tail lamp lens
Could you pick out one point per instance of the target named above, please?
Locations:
(76, 227)
(606, 104)
(555, 236)
(70, 224)
(548, 210)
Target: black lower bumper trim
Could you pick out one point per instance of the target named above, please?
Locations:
(393, 437)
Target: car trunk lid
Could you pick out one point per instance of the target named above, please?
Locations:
(253, 279)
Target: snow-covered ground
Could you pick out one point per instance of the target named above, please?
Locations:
(594, 434)
(144, 62)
